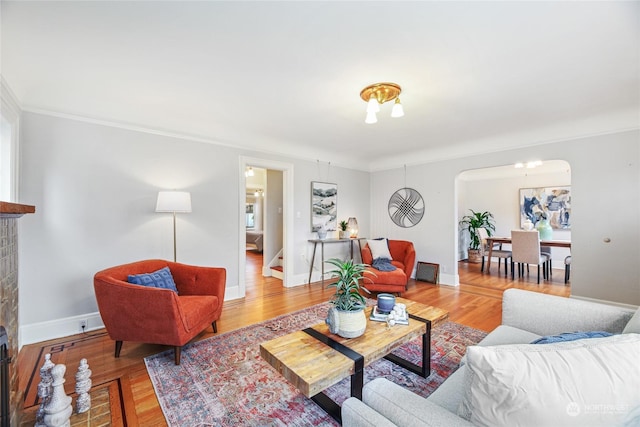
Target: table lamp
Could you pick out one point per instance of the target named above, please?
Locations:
(352, 226)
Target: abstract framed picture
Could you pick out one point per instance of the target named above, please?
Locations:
(324, 206)
(552, 203)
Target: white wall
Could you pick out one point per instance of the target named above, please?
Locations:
(95, 190)
(501, 197)
(605, 185)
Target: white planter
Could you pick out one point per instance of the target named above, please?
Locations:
(347, 324)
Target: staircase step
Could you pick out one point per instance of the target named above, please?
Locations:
(277, 268)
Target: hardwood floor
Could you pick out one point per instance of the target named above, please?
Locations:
(476, 303)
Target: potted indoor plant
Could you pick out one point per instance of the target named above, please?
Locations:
(347, 318)
(471, 223)
(343, 233)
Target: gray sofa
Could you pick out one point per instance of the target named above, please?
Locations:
(526, 316)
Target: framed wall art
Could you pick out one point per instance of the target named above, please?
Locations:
(551, 203)
(324, 206)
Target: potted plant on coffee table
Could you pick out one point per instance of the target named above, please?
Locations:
(471, 223)
(347, 318)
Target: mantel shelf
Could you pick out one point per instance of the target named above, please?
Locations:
(15, 210)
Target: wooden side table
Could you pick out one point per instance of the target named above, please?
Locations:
(322, 243)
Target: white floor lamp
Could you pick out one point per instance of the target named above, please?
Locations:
(174, 202)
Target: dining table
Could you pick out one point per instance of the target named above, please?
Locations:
(549, 243)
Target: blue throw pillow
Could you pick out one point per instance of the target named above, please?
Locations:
(158, 279)
(570, 336)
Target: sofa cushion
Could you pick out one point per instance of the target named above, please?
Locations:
(395, 277)
(505, 334)
(584, 382)
(450, 393)
(379, 249)
(633, 326)
(158, 279)
(405, 408)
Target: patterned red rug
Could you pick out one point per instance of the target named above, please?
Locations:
(223, 381)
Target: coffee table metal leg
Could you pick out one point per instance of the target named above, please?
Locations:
(330, 406)
(425, 369)
(357, 378)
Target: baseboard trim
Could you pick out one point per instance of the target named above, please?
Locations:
(43, 331)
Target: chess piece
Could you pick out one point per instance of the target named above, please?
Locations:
(58, 410)
(83, 385)
(44, 389)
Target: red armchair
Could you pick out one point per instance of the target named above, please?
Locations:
(159, 316)
(403, 256)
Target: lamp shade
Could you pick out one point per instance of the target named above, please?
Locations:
(397, 110)
(174, 201)
(352, 226)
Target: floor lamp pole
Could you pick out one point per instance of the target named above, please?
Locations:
(174, 237)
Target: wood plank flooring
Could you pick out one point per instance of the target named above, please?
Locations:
(476, 303)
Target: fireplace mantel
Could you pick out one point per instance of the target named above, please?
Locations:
(9, 218)
(15, 210)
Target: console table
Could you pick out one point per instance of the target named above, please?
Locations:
(322, 243)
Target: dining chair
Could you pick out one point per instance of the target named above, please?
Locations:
(567, 269)
(525, 248)
(497, 251)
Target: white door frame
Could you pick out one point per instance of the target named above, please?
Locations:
(287, 218)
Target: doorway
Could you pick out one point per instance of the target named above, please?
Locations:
(498, 190)
(266, 209)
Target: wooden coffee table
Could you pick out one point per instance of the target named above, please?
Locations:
(314, 359)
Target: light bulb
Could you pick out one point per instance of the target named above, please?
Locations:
(249, 172)
(373, 106)
(397, 110)
(371, 118)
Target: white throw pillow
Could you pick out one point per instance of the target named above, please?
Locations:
(633, 327)
(379, 249)
(578, 383)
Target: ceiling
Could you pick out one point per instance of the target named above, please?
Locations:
(285, 77)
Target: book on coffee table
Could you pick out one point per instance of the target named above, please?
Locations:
(379, 316)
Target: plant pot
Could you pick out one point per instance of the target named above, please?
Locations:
(474, 256)
(343, 234)
(347, 324)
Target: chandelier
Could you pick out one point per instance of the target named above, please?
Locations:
(379, 93)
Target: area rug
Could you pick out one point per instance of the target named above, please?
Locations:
(223, 381)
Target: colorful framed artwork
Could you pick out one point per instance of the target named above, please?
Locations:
(552, 203)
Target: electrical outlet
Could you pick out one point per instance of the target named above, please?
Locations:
(83, 325)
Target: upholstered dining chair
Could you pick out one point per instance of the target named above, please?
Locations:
(525, 249)
(567, 268)
(497, 251)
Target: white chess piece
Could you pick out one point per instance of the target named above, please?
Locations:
(83, 385)
(44, 389)
(58, 410)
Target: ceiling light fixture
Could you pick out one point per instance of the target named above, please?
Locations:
(379, 93)
(248, 172)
